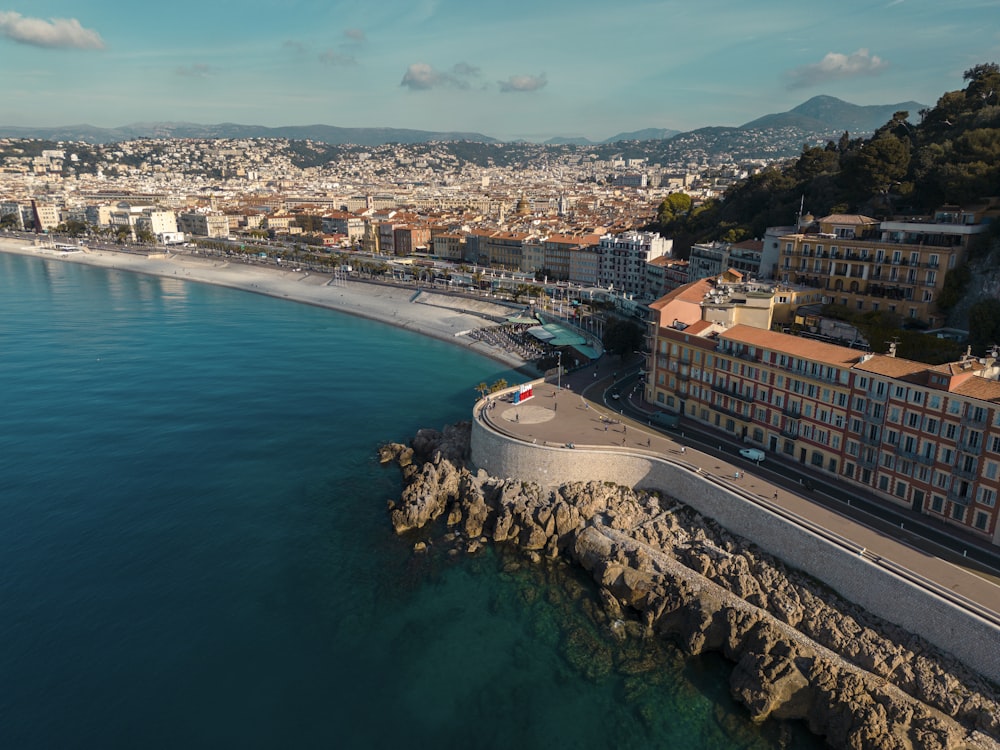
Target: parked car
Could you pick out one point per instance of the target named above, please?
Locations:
(752, 454)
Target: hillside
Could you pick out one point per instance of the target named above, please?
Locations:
(828, 113)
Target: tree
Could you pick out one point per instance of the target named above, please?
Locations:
(984, 325)
(622, 337)
(984, 84)
(673, 207)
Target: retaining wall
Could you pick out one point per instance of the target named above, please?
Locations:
(836, 562)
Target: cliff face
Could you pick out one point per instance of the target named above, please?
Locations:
(799, 651)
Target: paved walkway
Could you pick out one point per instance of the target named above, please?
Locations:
(574, 415)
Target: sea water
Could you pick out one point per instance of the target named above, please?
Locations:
(195, 548)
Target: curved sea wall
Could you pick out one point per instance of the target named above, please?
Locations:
(888, 595)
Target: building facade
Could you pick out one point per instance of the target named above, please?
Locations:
(922, 437)
(866, 265)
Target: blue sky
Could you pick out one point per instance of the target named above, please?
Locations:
(517, 69)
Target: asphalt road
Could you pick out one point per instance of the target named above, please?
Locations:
(948, 542)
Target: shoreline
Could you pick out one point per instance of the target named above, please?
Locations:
(382, 303)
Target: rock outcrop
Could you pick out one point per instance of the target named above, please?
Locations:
(800, 652)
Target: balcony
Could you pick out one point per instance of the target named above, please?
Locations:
(731, 411)
(956, 497)
(790, 432)
(867, 463)
(792, 412)
(966, 473)
(971, 420)
(972, 448)
(868, 439)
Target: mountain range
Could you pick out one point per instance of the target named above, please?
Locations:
(819, 116)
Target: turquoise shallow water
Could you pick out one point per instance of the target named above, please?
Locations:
(195, 549)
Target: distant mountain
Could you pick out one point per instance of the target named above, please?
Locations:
(824, 114)
(780, 135)
(321, 133)
(560, 141)
(647, 134)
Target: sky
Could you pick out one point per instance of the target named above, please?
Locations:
(530, 69)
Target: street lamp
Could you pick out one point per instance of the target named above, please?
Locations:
(559, 373)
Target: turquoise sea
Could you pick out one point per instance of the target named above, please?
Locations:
(195, 550)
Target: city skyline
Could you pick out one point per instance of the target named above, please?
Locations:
(530, 71)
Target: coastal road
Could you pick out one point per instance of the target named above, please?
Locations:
(952, 544)
(577, 415)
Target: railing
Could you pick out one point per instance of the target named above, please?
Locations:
(972, 474)
(959, 498)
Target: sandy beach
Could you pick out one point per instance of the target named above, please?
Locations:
(386, 303)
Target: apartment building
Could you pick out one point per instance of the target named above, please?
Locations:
(203, 225)
(919, 436)
(449, 246)
(867, 265)
(624, 258)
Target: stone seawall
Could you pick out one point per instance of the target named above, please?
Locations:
(969, 638)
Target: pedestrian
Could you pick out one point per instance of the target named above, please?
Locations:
(683, 448)
(648, 442)
(624, 429)
(517, 417)
(555, 407)
(605, 428)
(775, 494)
(623, 441)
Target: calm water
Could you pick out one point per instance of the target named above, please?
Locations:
(195, 549)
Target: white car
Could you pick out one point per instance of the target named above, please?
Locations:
(752, 454)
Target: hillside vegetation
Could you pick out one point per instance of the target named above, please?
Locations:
(951, 156)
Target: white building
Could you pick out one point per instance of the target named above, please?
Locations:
(623, 259)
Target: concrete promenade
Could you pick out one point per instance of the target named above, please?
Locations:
(574, 415)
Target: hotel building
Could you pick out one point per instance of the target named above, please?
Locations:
(867, 265)
(919, 436)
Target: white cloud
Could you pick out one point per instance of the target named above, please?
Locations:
(355, 35)
(523, 83)
(421, 77)
(835, 66)
(56, 32)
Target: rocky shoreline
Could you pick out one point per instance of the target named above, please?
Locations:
(800, 651)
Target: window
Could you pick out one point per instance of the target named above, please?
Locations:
(937, 503)
(986, 496)
(982, 520)
(950, 430)
(901, 489)
(931, 427)
(958, 512)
